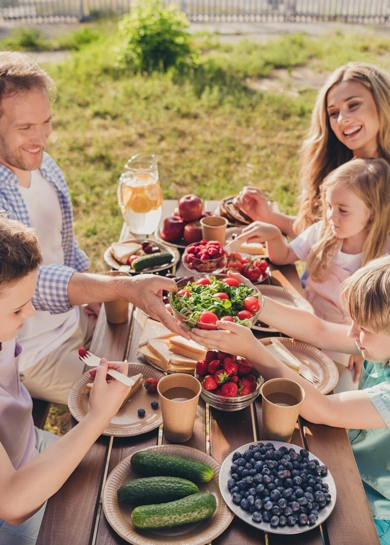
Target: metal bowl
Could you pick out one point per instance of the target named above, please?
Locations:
(231, 404)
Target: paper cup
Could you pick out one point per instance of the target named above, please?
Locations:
(179, 396)
(281, 402)
(117, 312)
(214, 228)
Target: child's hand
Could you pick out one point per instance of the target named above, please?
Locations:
(107, 393)
(259, 231)
(355, 364)
(254, 203)
(231, 338)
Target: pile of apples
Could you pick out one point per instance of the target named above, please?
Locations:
(185, 222)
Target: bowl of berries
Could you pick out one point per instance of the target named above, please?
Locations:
(200, 301)
(205, 257)
(229, 383)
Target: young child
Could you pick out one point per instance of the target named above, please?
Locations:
(365, 412)
(28, 476)
(354, 230)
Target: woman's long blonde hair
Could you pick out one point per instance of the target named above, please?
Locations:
(369, 179)
(322, 152)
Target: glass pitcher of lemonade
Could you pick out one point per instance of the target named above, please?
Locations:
(139, 194)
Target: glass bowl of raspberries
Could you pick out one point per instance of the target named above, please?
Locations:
(205, 257)
(229, 383)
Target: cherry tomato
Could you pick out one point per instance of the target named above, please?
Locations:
(234, 262)
(207, 320)
(184, 293)
(244, 315)
(252, 304)
(251, 272)
(227, 319)
(232, 282)
(203, 282)
(131, 259)
(221, 295)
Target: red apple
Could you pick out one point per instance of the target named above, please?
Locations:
(190, 207)
(205, 213)
(192, 232)
(172, 229)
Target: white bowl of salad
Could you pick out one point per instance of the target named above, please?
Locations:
(201, 301)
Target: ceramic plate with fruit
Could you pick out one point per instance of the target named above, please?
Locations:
(152, 256)
(229, 383)
(201, 301)
(183, 227)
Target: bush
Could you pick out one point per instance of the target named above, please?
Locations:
(154, 37)
(26, 39)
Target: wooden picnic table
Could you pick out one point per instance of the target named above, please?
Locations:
(74, 515)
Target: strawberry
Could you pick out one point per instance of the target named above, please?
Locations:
(251, 377)
(230, 366)
(247, 385)
(244, 391)
(213, 367)
(229, 389)
(201, 367)
(221, 376)
(222, 355)
(234, 378)
(209, 383)
(211, 355)
(82, 352)
(150, 385)
(244, 367)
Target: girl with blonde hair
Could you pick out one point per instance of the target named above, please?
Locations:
(351, 118)
(355, 228)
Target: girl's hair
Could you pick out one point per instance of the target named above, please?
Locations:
(369, 179)
(20, 253)
(366, 295)
(322, 152)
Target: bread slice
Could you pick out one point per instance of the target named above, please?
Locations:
(177, 359)
(121, 251)
(136, 386)
(151, 357)
(180, 368)
(188, 348)
(160, 349)
(253, 248)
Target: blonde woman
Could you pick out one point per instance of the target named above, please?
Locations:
(355, 202)
(351, 118)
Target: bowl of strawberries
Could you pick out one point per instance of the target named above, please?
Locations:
(204, 257)
(229, 383)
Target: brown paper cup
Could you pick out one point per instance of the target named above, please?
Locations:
(179, 395)
(117, 312)
(214, 228)
(281, 402)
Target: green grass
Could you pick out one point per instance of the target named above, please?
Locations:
(212, 132)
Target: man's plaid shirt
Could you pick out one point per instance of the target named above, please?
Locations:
(52, 287)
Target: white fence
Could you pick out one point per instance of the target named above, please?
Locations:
(349, 11)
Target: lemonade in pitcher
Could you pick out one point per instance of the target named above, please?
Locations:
(140, 196)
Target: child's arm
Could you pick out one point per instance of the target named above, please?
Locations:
(345, 410)
(279, 250)
(31, 485)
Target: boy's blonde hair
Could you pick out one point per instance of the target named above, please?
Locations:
(369, 179)
(20, 252)
(366, 295)
(322, 152)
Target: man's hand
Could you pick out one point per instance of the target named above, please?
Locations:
(92, 310)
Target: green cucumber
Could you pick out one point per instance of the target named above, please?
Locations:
(152, 260)
(150, 463)
(193, 508)
(156, 490)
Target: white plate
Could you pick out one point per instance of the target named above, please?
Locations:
(224, 476)
(200, 533)
(112, 262)
(281, 295)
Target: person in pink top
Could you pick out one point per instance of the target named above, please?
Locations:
(34, 464)
(354, 229)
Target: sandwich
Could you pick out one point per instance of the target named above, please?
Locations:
(121, 251)
(136, 386)
(188, 348)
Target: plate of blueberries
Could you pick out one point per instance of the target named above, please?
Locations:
(277, 487)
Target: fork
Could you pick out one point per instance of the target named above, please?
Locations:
(308, 374)
(93, 361)
(302, 369)
(233, 246)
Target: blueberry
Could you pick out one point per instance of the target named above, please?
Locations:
(268, 505)
(234, 490)
(295, 506)
(244, 504)
(236, 499)
(267, 516)
(231, 483)
(258, 505)
(258, 478)
(312, 519)
(291, 520)
(304, 453)
(276, 510)
(297, 480)
(235, 476)
(282, 521)
(233, 468)
(245, 472)
(154, 405)
(236, 455)
(274, 521)
(288, 511)
(141, 413)
(256, 517)
(259, 488)
(282, 503)
(275, 495)
(298, 492)
(251, 499)
(303, 518)
(240, 461)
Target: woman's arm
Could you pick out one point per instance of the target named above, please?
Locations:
(31, 485)
(344, 410)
